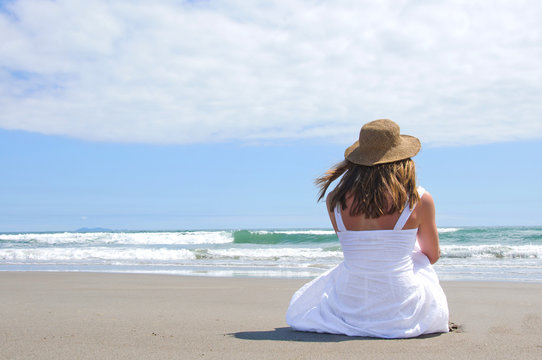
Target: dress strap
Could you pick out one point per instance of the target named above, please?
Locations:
(407, 211)
(339, 219)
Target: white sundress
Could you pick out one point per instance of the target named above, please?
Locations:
(385, 287)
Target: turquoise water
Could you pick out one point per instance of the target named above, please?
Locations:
(468, 253)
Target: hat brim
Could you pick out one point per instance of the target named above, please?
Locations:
(407, 147)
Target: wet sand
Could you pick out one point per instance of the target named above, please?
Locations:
(121, 316)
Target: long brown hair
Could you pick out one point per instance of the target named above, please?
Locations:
(377, 190)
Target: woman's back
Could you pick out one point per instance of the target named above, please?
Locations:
(361, 222)
(382, 250)
(422, 218)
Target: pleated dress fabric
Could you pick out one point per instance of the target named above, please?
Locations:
(385, 287)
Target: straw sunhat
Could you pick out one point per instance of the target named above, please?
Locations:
(380, 142)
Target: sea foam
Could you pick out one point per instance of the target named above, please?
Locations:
(467, 252)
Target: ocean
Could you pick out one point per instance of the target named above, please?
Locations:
(468, 253)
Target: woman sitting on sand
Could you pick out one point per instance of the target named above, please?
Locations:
(386, 286)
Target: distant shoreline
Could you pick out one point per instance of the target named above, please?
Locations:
(100, 229)
(210, 276)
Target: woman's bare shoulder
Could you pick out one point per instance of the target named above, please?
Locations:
(426, 202)
(424, 213)
(328, 200)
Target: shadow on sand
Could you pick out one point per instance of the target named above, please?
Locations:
(289, 334)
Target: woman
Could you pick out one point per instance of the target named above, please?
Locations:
(386, 286)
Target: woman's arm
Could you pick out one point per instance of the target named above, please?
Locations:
(427, 230)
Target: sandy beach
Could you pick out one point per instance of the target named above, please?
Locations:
(120, 316)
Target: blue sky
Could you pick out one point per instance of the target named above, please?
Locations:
(214, 114)
(56, 183)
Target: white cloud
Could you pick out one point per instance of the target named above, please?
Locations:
(451, 72)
